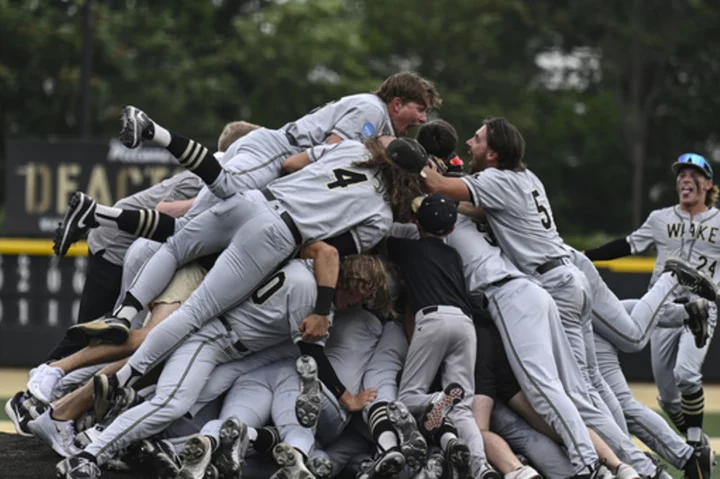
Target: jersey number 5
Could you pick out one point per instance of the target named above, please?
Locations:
(345, 178)
(544, 213)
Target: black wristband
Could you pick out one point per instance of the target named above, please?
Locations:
(325, 297)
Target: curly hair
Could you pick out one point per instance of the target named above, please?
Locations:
(712, 196)
(365, 274)
(398, 185)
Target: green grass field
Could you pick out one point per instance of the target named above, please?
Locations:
(12, 380)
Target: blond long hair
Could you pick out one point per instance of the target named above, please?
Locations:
(712, 196)
(365, 274)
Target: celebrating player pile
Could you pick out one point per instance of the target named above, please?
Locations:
(334, 299)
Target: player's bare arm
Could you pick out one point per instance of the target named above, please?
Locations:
(175, 209)
(327, 267)
(299, 161)
(455, 188)
(475, 212)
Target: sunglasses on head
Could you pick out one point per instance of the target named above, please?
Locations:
(693, 159)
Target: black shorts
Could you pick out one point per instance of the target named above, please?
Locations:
(493, 375)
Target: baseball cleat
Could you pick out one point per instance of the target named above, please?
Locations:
(80, 217)
(691, 278)
(234, 443)
(42, 380)
(700, 464)
(433, 468)
(57, 434)
(198, 452)
(122, 400)
(523, 472)
(385, 465)
(292, 465)
(88, 436)
(18, 415)
(698, 320)
(320, 467)
(104, 387)
(308, 403)
(156, 456)
(433, 416)
(457, 461)
(136, 126)
(625, 471)
(76, 468)
(412, 444)
(108, 329)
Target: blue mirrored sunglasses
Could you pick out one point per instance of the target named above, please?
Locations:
(696, 160)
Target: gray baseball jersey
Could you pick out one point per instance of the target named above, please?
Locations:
(349, 195)
(674, 233)
(519, 214)
(266, 319)
(354, 117)
(114, 243)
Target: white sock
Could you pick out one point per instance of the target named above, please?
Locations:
(387, 441)
(126, 312)
(162, 137)
(252, 433)
(694, 434)
(124, 375)
(445, 439)
(107, 215)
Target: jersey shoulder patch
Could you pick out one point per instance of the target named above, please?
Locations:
(368, 130)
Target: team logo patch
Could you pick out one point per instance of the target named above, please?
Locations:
(368, 130)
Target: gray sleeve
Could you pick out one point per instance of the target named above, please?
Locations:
(368, 234)
(643, 238)
(360, 122)
(316, 153)
(183, 186)
(404, 230)
(487, 189)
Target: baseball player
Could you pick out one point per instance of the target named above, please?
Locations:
(274, 311)
(516, 207)
(443, 339)
(271, 392)
(107, 246)
(277, 221)
(687, 230)
(399, 103)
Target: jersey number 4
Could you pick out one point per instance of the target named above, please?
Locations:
(545, 218)
(345, 178)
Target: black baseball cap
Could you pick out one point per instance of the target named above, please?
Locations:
(436, 213)
(407, 153)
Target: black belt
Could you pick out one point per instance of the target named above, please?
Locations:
(550, 265)
(285, 216)
(501, 282)
(238, 345)
(429, 309)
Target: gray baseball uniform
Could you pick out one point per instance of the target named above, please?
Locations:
(521, 219)
(114, 243)
(676, 361)
(269, 232)
(271, 392)
(274, 312)
(642, 422)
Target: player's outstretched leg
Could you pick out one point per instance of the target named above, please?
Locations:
(307, 405)
(137, 126)
(412, 444)
(291, 462)
(437, 411)
(234, 442)
(198, 451)
(691, 278)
